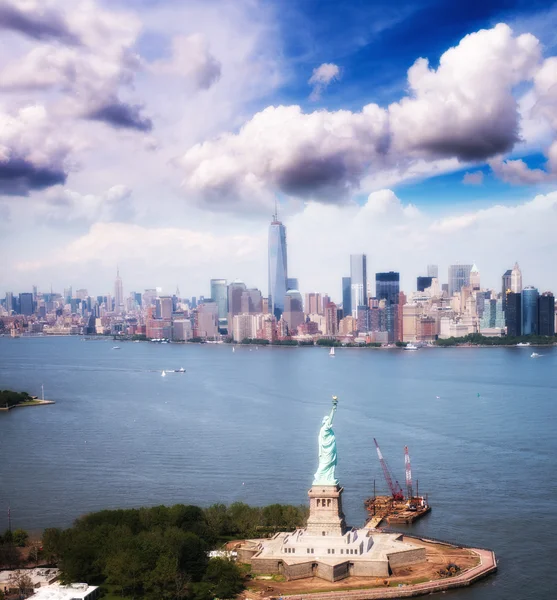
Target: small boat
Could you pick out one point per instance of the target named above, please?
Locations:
(535, 355)
(163, 374)
(410, 346)
(523, 344)
(233, 349)
(332, 351)
(180, 370)
(116, 347)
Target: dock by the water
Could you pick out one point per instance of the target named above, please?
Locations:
(31, 403)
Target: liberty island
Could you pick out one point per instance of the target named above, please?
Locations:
(329, 549)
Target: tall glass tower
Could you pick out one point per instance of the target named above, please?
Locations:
(118, 292)
(219, 294)
(358, 282)
(278, 268)
(529, 310)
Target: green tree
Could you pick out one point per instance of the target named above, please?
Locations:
(20, 537)
(222, 579)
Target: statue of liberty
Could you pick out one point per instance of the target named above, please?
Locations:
(325, 474)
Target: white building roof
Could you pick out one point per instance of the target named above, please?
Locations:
(73, 591)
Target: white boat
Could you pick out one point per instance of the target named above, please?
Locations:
(535, 355)
(233, 349)
(410, 346)
(116, 347)
(163, 374)
(523, 344)
(180, 370)
(332, 351)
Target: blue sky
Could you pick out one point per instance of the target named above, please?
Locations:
(157, 135)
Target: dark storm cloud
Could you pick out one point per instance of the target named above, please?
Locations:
(122, 115)
(39, 25)
(18, 177)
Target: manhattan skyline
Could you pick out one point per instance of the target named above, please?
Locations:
(180, 127)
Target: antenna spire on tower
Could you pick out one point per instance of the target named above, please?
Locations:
(275, 216)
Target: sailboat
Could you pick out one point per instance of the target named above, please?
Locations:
(163, 374)
(233, 349)
(332, 351)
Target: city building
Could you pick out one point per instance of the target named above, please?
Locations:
(492, 316)
(118, 292)
(346, 296)
(474, 278)
(235, 291)
(546, 314)
(513, 314)
(219, 294)
(9, 302)
(387, 286)
(163, 307)
(293, 310)
(422, 283)
(516, 279)
(459, 276)
(529, 310)
(251, 302)
(206, 320)
(314, 304)
(505, 286)
(358, 282)
(292, 283)
(278, 267)
(433, 271)
(26, 304)
(331, 319)
(181, 330)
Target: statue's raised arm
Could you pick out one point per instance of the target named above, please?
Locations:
(325, 474)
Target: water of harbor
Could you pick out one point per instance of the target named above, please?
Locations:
(242, 426)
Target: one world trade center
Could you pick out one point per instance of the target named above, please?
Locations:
(277, 267)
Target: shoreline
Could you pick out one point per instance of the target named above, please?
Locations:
(24, 404)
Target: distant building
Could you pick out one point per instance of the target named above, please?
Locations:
(314, 304)
(513, 314)
(358, 282)
(474, 278)
(243, 327)
(149, 297)
(163, 307)
(219, 294)
(292, 283)
(505, 286)
(331, 319)
(235, 291)
(251, 302)
(459, 276)
(422, 283)
(206, 321)
(546, 314)
(516, 279)
(346, 296)
(433, 271)
(492, 316)
(26, 304)
(278, 267)
(9, 302)
(181, 330)
(529, 310)
(118, 292)
(293, 310)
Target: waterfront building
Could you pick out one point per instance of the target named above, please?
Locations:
(331, 319)
(492, 316)
(474, 278)
(118, 292)
(516, 279)
(293, 310)
(346, 296)
(268, 328)
(206, 320)
(181, 330)
(459, 276)
(513, 314)
(410, 315)
(292, 283)
(243, 327)
(278, 267)
(347, 325)
(363, 318)
(387, 287)
(529, 310)
(433, 271)
(314, 304)
(320, 321)
(427, 329)
(505, 286)
(423, 283)
(26, 304)
(358, 282)
(219, 294)
(235, 291)
(546, 314)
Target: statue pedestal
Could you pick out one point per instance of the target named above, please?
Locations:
(325, 511)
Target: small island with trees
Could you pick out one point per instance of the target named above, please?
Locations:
(9, 400)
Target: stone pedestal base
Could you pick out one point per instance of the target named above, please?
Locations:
(325, 511)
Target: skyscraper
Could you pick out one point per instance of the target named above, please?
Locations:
(251, 302)
(118, 292)
(506, 287)
(474, 278)
(293, 310)
(26, 304)
(459, 276)
(9, 302)
(358, 282)
(346, 296)
(292, 283)
(529, 310)
(546, 314)
(387, 286)
(235, 291)
(516, 279)
(433, 271)
(219, 294)
(422, 283)
(513, 314)
(278, 268)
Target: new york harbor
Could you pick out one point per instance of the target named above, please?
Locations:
(277, 312)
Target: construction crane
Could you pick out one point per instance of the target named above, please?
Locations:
(409, 490)
(395, 488)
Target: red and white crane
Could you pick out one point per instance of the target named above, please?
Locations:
(395, 488)
(409, 490)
